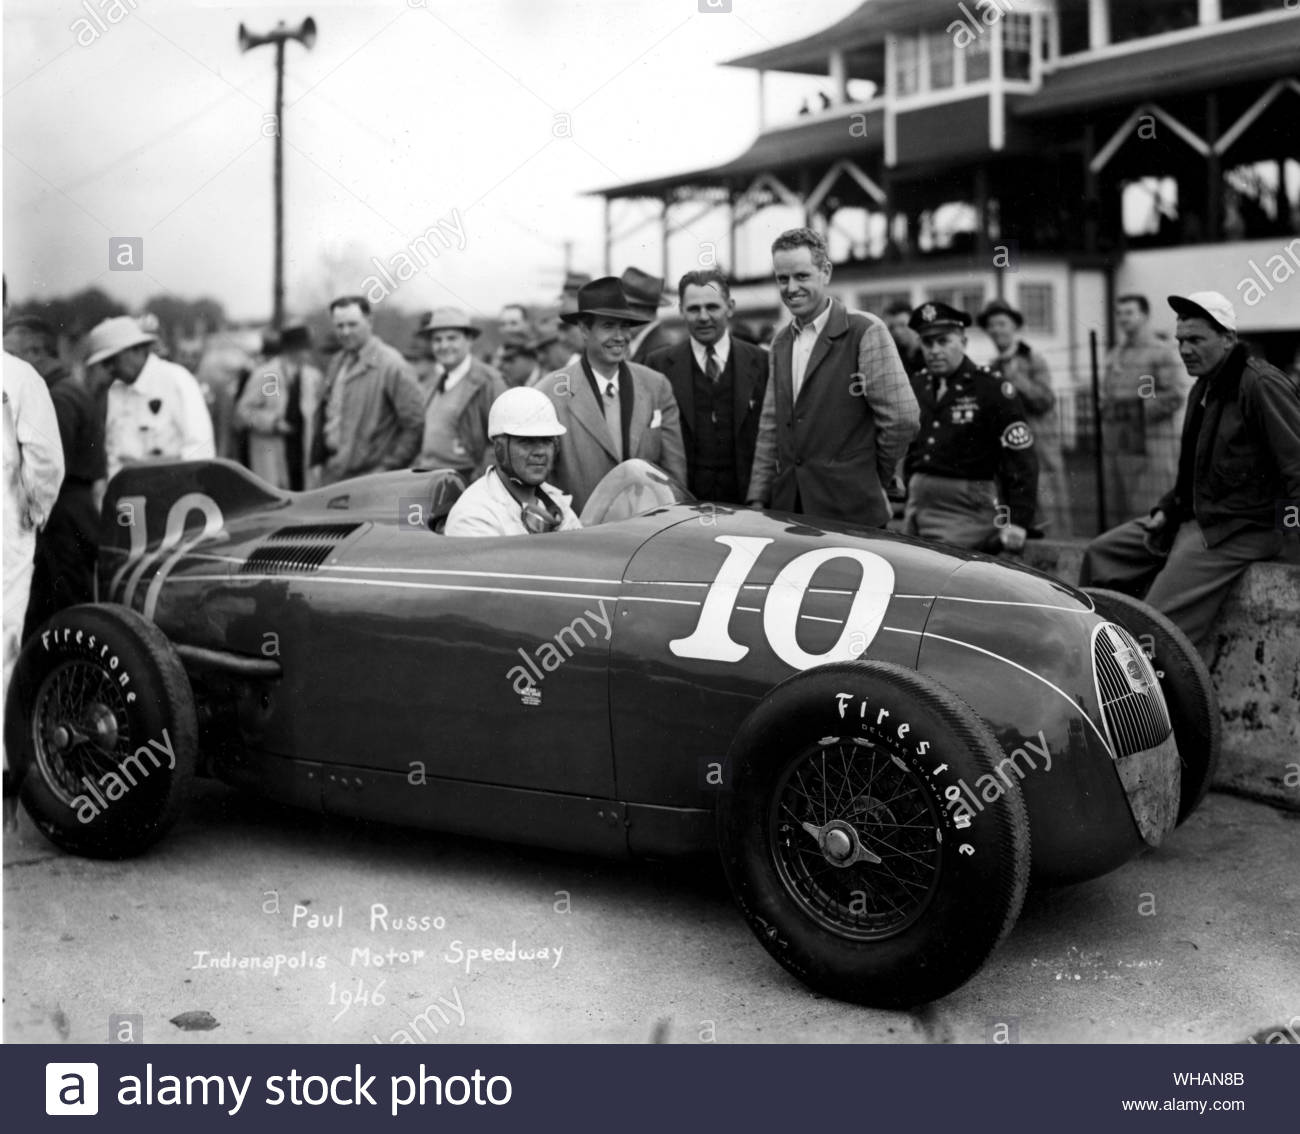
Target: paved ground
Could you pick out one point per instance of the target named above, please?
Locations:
(1199, 942)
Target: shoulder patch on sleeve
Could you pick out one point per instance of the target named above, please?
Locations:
(1017, 435)
(1008, 390)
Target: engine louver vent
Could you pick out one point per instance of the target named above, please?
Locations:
(1132, 704)
(296, 550)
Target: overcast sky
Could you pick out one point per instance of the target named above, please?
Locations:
(404, 114)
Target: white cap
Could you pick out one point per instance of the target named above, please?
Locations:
(115, 335)
(1206, 305)
(524, 412)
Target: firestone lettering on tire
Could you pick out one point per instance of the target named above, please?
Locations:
(51, 638)
(957, 811)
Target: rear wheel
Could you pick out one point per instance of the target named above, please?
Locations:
(100, 728)
(856, 842)
(1187, 686)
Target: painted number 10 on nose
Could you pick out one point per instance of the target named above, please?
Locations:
(711, 639)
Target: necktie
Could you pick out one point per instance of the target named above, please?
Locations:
(711, 370)
(611, 390)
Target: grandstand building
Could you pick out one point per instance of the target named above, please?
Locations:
(1054, 153)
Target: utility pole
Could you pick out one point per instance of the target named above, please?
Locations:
(305, 34)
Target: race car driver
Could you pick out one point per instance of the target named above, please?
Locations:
(512, 497)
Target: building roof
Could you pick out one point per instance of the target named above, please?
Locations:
(1235, 55)
(1127, 76)
(825, 137)
(866, 25)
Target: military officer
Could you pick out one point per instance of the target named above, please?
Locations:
(973, 437)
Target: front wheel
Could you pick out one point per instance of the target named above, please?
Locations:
(867, 836)
(100, 728)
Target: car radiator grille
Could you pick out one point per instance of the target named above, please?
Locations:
(296, 550)
(1132, 706)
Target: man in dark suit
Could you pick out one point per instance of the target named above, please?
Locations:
(719, 383)
(839, 411)
(612, 409)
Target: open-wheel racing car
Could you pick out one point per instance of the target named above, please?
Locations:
(886, 741)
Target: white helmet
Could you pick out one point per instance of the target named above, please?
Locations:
(524, 412)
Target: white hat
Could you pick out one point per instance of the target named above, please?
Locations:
(115, 335)
(1206, 305)
(524, 412)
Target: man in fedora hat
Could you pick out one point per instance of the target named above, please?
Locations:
(1239, 460)
(1027, 370)
(456, 415)
(612, 409)
(645, 295)
(278, 407)
(155, 410)
(839, 411)
(371, 410)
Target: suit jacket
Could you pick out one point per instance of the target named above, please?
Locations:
(747, 369)
(586, 450)
(835, 448)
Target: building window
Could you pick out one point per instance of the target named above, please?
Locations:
(1236, 9)
(878, 302)
(941, 61)
(1151, 17)
(965, 298)
(978, 59)
(1038, 306)
(907, 69)
(1017, 46)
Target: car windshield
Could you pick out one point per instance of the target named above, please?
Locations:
(631, 488)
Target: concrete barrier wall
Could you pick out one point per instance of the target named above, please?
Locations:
(1255, 664)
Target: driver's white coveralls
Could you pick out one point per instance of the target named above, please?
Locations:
(488, 509)
(33, 471)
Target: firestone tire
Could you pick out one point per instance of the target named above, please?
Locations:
(1187, 686)
(851, 845)
(100, 728)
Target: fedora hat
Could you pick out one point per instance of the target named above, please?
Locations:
(644, 290)
(999, 307)
(448, 319)
(113, 336)
(604, 298)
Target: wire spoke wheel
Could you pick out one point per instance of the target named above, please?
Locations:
(100, 730)
(846, 843)
(80, 727)
(855, 836)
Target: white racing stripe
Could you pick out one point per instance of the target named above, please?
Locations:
(1023, 669)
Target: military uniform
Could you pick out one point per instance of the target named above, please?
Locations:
(973, 435)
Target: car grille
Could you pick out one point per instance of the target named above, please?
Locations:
(296, 550)
(1132, 706)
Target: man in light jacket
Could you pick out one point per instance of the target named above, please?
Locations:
(371, 411)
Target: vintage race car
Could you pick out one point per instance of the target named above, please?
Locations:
(885, 740)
